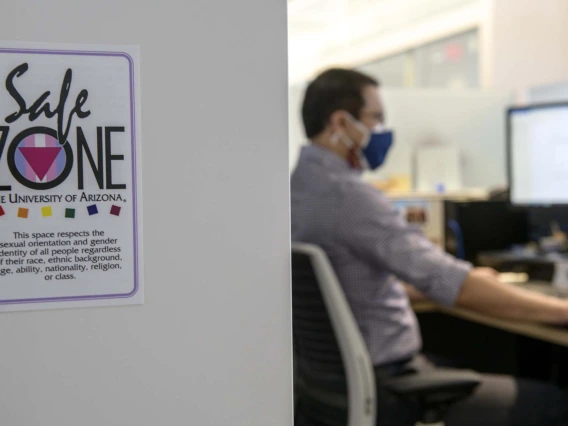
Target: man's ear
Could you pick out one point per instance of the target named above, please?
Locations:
(338, 121)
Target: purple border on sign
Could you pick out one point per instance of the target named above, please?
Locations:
(134, 175)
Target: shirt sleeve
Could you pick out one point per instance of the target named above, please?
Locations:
(374, 230)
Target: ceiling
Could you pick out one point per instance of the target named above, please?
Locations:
(321, 28)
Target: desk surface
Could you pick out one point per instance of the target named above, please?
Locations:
(512, 256)
(547, 333)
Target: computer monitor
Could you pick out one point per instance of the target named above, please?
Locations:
(538, 154)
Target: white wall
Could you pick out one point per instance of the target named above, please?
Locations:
(557, 92)
(528, 43)
(473, 121)
(212, 345)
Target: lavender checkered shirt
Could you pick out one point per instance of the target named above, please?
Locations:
(371, 247)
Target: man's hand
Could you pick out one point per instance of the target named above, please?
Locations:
(487, 272)
(482, 292)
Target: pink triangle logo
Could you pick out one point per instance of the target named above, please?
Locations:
(40, 159)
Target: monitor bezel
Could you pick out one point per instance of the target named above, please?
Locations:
(510, 111)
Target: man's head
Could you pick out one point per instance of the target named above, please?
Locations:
(335, 105)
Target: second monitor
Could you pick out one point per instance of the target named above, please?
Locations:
(538, 154)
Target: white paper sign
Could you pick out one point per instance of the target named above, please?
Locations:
(70, 182)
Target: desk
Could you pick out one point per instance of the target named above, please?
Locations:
(550, 334)
(538, 267)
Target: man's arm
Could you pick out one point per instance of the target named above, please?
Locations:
(416, 295)
(485, 294)
(413, 294)
(374, 230)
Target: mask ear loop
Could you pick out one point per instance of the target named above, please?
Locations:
(364, 131)
(357, 159)
(335, 138)
(354, 157)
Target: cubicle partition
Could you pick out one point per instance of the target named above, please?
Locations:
(471, 122)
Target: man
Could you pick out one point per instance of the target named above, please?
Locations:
(372, 249)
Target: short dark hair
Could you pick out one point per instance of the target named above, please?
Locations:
(333, 90)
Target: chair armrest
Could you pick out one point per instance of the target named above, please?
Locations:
(452, 383)
(436, 390)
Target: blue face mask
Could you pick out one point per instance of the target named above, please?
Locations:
(377, 148)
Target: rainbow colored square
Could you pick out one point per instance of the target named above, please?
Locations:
(23, 213)
(92, 209)
(46, 211)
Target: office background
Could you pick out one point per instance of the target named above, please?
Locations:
(212, 343)
(478, 56)
(460, 80)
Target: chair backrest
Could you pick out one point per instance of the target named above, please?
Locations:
(327, 341)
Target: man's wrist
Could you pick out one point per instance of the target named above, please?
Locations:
(563, 312)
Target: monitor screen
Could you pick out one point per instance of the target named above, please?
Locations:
(538, 154)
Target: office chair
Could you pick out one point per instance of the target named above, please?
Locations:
(335, 380)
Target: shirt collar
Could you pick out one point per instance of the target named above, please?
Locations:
(329, 159)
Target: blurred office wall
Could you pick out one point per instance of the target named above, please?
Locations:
(529, 44)
(511, 51)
